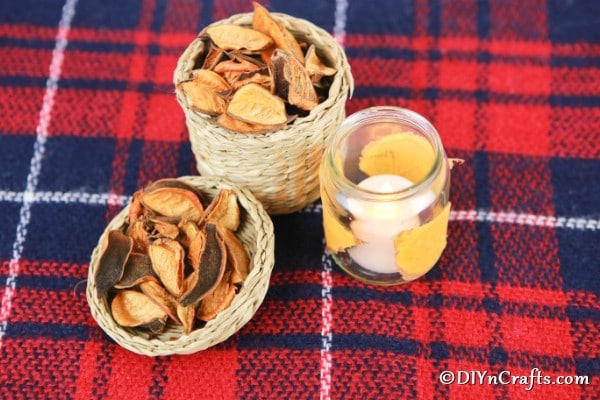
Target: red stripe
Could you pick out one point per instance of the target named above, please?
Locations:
(50, 307)
(48, 269)
(130, 375)
(536, 335)
(21, 106)
(291, 317)
(208, 374)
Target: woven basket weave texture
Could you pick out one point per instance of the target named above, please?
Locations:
(280, 167)
(255, 232)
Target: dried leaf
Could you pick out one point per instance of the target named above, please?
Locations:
(162, 298)
(168, 258)
(212, 267)
(224, 210)
(237, 66)
(136, 209)
(315, 67)
(234, 124)
(165, 229)
(254, 104)
(137, 232)
(235, 37)
(260, 76)
(455, 161)
(188, 231)
(237, 256)
(112, 262)
(264, 22)
(138, 269)
(131, 308)
(187, 316)
(174, 202)
(211, 79)
(203, 98)
(218, 300)
(213, 57)
(300, 91)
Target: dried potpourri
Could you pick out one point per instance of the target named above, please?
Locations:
(177, 261)
(256, 79)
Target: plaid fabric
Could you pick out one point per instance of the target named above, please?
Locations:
(89, 115)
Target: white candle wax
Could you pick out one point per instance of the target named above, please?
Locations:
(377, 223)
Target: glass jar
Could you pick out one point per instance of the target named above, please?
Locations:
(385, 183)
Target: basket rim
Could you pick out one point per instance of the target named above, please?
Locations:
(231, 319)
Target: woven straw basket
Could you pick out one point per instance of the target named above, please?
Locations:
(280, 167)
(255, 232)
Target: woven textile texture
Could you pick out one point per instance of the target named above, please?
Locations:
(88, 115)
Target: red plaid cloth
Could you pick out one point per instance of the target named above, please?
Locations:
(89, 115)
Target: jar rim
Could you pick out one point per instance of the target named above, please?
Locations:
(376, 114)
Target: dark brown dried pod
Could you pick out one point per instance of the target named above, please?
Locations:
(138, 269)
(212, 267)
(112, 261)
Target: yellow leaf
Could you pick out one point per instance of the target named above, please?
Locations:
(401, 153)
(417, 250)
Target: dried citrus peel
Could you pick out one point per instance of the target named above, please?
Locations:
(418, 249)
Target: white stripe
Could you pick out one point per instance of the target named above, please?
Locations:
(339, 29)
(508, 217)
(326, 329)
(65, 197)
(35, 166)
(339, 32)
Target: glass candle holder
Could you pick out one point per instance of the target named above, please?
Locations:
(385, 183)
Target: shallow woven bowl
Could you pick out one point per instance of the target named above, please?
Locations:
(255, 232)
(280, 167)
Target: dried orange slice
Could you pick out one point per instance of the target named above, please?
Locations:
(417, 250)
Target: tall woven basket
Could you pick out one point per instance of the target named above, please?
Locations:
(279, 167)
(256, 234)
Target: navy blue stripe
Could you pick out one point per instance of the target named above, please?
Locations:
(21, 330)
(479, 96)
(294, 292)
(375, 342)
(435, 17)
(483, 19)
(365, 294)
(53, 283)
(296, 342)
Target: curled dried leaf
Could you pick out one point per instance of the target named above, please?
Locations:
(136, 209)
(234, 124)
(455, 161)
(256, 105)
(131, 308)
(235, 37)
(264, 22)
(211, 79)
(213, 57)
(112, 262)
(138, 269)
(188, 231)
(217, 300)
(187, 316)
(300, 90)
(164, 229)
(237, 256)
(315, 67)
(138, 233)
(174, 202)
(203, 98)
(168, 258)
(162, 298)
(224, 210)
(212, 267)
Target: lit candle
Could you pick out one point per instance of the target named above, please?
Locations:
(376, 223)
